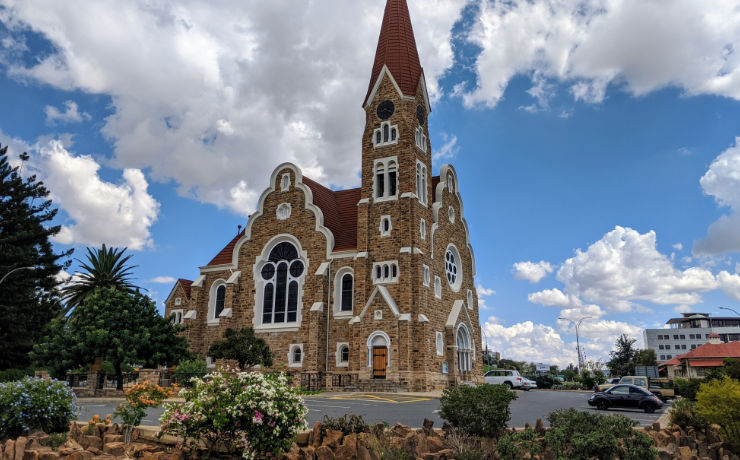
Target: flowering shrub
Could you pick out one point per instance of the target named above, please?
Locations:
(95, 420)
(34, 403)
(251, 412)
(138, 398)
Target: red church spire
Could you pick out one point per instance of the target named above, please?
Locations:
(397, 49)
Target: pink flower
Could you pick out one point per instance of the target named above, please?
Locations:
(257, 417)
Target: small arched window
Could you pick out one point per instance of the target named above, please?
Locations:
(347, 292)
(220, 300)
(386, 129)
(386, 178)
(344, 354)
(297, 355)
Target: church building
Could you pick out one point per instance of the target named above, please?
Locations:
(367, 289)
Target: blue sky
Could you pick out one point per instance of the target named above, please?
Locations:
(595, 140)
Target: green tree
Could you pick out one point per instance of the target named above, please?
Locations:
(243, 347)
(732, 368)
(646, 358)
(105, 267)
(623, 356)
(29, 297)
(120, 327)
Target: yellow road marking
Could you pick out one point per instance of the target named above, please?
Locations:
(373, 398)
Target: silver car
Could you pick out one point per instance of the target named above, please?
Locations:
(504, 377)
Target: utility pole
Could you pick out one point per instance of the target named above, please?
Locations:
(727, 308)
(577, 324)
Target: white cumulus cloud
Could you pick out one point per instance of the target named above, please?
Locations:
(722, 181)
(214, 95)
(71, 113)
(643, 45)
(100, 211)
(532, 271)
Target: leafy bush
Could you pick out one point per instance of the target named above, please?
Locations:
(687, 388)
(11, 375)
(478, 411)
(546, 381)
(138, 398)
(587, 380)
(31, 403)
(55, 440)
(719, 402)
(248, 412)
(578, 435)
(514, 445)
(347, 425)
(189, 369)
(568, 386)
(683, 413)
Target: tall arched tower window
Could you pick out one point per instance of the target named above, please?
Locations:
(281, 276)
(347, 292)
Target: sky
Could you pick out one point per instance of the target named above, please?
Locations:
(597, 142)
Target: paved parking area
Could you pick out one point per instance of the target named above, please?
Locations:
(411, 410)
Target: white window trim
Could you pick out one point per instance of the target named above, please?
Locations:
(426, 277)
(210, 363)
(369, 345)
(337, 307)
(458, 262)
(421, 139)
(385, 163)
(260, 261)
(383, 232)
(422, 186)
(212, 320)
(390, 130)
(178, 301)
(450, 183)
(470, 299)
(437, 287)
(439, 343)
(291, 349)
(383, 279)
(338, 354)
(423, 229)
(179, 316)
(451, 214)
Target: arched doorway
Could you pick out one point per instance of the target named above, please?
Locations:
(378, 345)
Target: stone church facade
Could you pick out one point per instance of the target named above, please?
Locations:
(367, 288)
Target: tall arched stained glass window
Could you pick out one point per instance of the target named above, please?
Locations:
(281, 275)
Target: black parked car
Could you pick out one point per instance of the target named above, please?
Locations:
(629, 396)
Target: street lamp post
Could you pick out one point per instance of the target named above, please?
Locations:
(485, 354)
(577, 324)
(726, 308)
(15, 270)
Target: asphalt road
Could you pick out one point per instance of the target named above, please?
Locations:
(409, 410)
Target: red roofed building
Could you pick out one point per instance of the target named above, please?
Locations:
(369, 288)
(694, 364)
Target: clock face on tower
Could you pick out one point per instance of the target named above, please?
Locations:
(420, 114)
(386, 109)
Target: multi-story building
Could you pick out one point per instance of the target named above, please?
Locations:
(370, 287)
(689, 332)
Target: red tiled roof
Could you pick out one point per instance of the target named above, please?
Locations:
(709, 352)
(226, 254)
(714, 350)
(185, 286)
(340, 213)
(397, 49)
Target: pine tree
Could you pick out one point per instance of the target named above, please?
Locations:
(29, 298)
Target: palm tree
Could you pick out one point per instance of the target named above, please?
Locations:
(106, 267)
